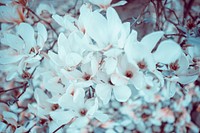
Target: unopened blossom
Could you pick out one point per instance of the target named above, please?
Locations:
(104, 4)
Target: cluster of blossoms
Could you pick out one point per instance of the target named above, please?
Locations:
(70, 78)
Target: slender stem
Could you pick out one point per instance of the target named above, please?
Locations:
(40, 19)
(15, 88)
(59, 128)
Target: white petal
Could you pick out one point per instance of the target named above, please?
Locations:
(94, 66)
(113, 52)
(53, 126)
(62, 117)
(72, 75)
(11, 75)
(183, 63)
(8, 60)
(10, 118)
(138, 80)
(101, 117)
(167, 52)
(63, 47)
(125, 31)
(53, 86)
(122, 93)
(78, 97)
(41, 97)
(58, 19)
(187, 79)
(7, 114)
(13, 41)
(170, 90)
(26, 31)
(117, 79)
(103, 91)
(114, 24)
(120, 3)
(3, 126)
(92, 106)
(67, 22)
(132, 49)
(42, 34)
(66, 101)
(80, 122)
(63, 44)
(110, 65)
(150, 40)
(73, 59)
(55, 58)
(97, 29)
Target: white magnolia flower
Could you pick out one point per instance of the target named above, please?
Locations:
(23, 48)
(108, 32)
(79, 112)
(130, 72)
(182, 70)
(84, 75)
(153, 82)
(169, 49)
(69, 51)
(149, 58)
(106, 86)
(72, 24)
(140, 52)
(66, 22)
(12, 14)
(43, 107)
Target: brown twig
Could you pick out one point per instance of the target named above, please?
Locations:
(40, 19)
(15, 88)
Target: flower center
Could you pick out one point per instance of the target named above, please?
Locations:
(148, 87)
(142, 64)
(129, 74)
(174, 66)
(86, 76)
(83, 112)
(54, 107)
(72, 93)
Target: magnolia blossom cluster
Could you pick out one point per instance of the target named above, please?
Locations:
(91, 73)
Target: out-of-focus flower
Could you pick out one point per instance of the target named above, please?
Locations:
(12, 14)
(104, 4)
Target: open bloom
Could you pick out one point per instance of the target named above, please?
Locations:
(69, 51)
(108, 32)
(23, 48)
(104, 89)
(75, 110)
